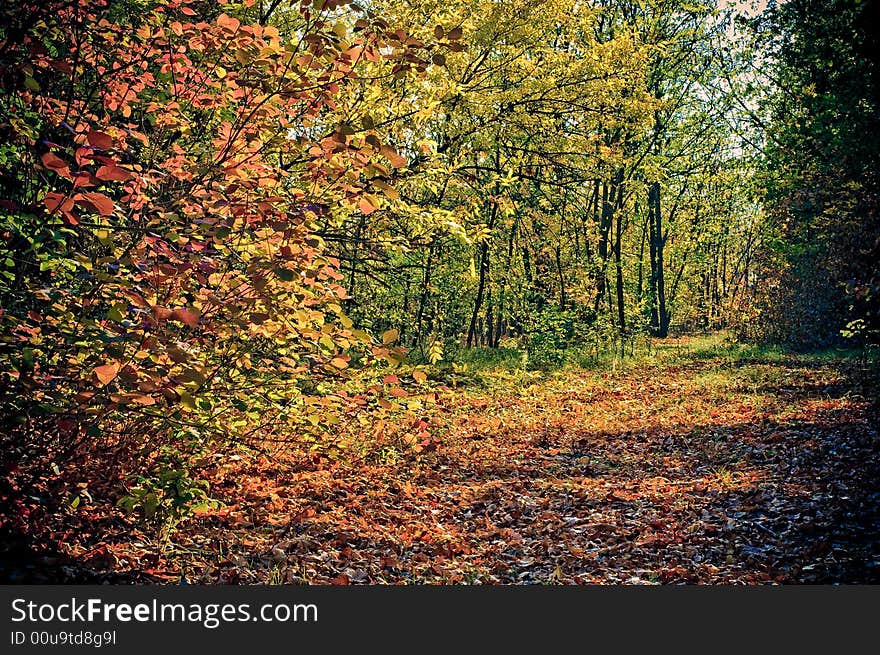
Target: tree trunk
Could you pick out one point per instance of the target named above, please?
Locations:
(618, 237)
(562, 299)
(502, 294)
(640, 284)
(659, 311)
(423, 296)
(604, 229)
(473, 329)
(358, 236)
(481, 290)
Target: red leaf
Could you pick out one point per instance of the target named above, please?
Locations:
(58, 202)
(95, 201)
(83, 180)
(100, 140)
(84, 156)
(114, 173)
(56, 164)
(55, 201)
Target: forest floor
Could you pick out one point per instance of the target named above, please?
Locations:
(695, 465)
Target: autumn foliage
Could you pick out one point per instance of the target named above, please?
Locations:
(161, 286)
(256, 250)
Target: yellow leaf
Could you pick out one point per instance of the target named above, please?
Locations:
(390, 336)
(361, 335)
(243, 56)
(187, 400)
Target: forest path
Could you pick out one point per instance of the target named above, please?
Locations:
(709, 469)
(691, 466)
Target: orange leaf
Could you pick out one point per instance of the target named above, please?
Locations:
(106, 373)
(228, 23)
(392, 155)
(161, 313)
(186, 316)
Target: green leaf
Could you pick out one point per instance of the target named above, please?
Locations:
(285, 274)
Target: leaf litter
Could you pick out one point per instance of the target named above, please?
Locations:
(700, 472)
